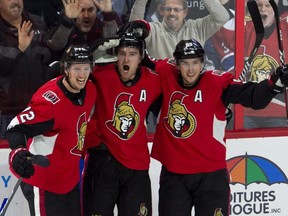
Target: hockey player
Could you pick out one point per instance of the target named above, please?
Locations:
(54, 125)
(116, 170)
(190, 136)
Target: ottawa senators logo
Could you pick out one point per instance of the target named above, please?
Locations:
(143, 210)
(179, 121)
(81, 131)
(125, 119)
(218, 212)
(262, 66)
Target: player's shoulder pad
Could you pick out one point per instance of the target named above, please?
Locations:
(102, 70)
(171, 61)
(219, 75)
(48, 92)
(149, 70)
(164, 63)
(218, 72)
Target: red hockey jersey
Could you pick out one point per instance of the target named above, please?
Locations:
(190, 135)
(120, 113)
(63, 143)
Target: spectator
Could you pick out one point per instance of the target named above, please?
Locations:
(165, 35)
(49, 10)
(217, 52)
(266, 60)
(80, 24)
(116, 170)
(54, 123)
(190, 137)
(24, 59)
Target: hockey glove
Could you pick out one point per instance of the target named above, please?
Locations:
(228, 114)
(147, 61)
(141, 28)
(21, 162)
(284, 76)
(279, 79)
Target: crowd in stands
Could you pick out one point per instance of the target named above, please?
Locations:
(57, 24)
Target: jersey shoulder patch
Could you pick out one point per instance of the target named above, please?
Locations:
(51, 97)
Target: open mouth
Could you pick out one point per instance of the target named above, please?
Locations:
(81, 81)
(263, 17)
(86, 22)
(172, 18)
(190, 74)
(126, 68)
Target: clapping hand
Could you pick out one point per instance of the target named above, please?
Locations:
(25, 35)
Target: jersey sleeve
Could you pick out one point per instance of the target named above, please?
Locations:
(250, 94)
(36, 119)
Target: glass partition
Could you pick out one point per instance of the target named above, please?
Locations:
(220, 50)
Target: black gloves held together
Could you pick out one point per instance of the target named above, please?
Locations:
(21, 162)
(141, 28)
(279, 79)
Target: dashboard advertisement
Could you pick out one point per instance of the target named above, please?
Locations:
(258, 178)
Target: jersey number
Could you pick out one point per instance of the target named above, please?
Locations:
(27, 116)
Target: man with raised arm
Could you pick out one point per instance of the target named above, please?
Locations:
(166, 34)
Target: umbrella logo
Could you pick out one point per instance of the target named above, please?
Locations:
(247, 169)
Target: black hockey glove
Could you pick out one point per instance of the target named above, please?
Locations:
(139, 27)
(279, 79)
(147, 61)
(21, 162)
(284, 76)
